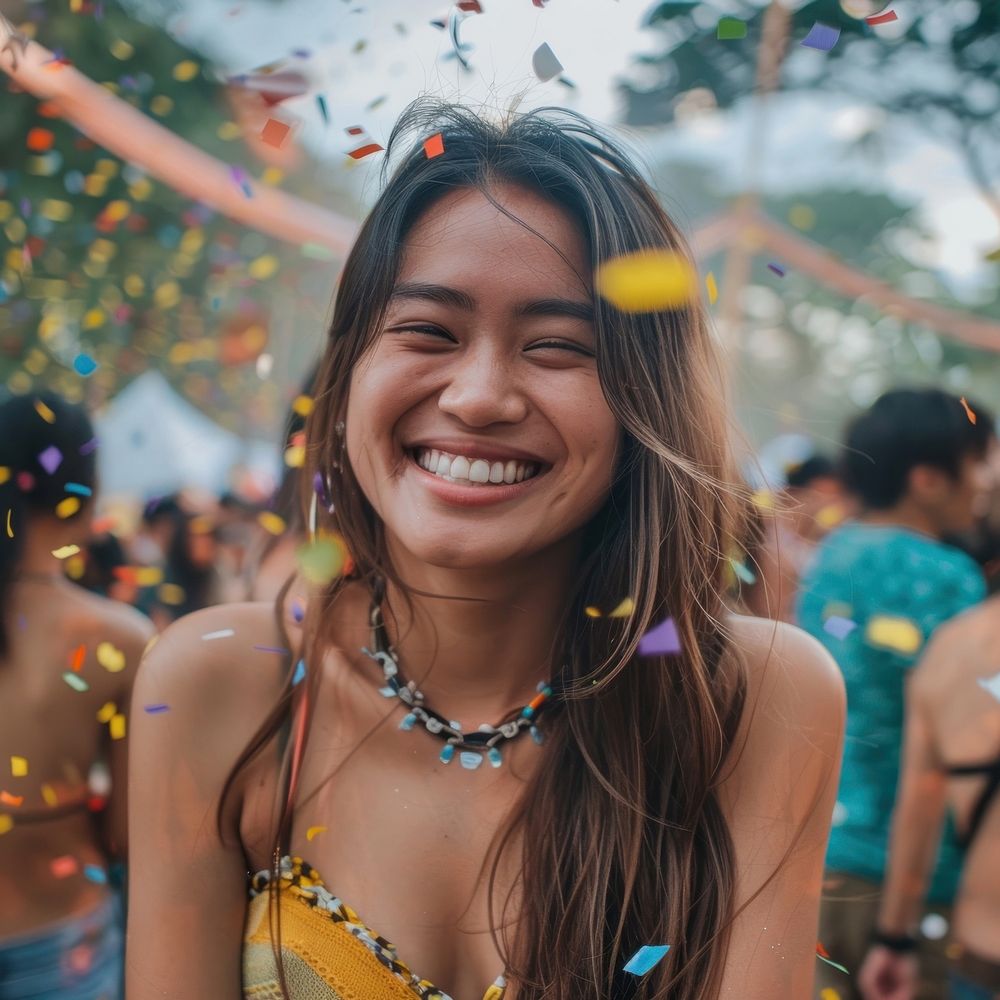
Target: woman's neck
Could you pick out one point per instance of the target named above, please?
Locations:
(476, 659)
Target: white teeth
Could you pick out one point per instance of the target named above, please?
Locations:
(474, 470)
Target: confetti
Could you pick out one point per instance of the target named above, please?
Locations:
(323, 111)
(106, 712)
(275, 132)
(6, 823)
(314, 831)
(84, 491)
(839, 627)
(828, 993)
(77, 659)
(50, 459)
(77, 683)
(117, 727)
(67, 507)
(883, 18)
(321, 559)
(110, 657)
(40, 140)
(10, 800)
(64, 867)
(66, 551)
(545, 64)
(10, 530)
(821, 36)
(592, 612)
(88, 447)
(991, 684)
(366, 150)
(239, 175)
(646, 281)
(271, 649)
(712, 288)
(84, 364)
(186, 70)
(731, 28)
(646, 958)
(49, 794)
(18, 766)
(434, 146)
(95, 873)
(661, 640)
(44, 412)
(298, 611)
(624, 609)
(300, 672)
(743, 572)
(272, 523)
(223, 633)
(155, 709)
(897, 634)
(777, 268)
(968, 411)
(823, 955)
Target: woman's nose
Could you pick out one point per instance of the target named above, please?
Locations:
(483, 389)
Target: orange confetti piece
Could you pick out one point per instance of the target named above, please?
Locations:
(821, 951)
(44, 412)
(64, 867)
(362, 151)
(434, 146)
(968, 411)
(40, 140)
(5, 824)
(592, 612)
(10, 800)
(275, 132)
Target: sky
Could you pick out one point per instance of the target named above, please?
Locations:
(356, 52)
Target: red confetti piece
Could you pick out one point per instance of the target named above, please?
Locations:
(355, 130)
(78, 655)
(883, 18)
(469, 6)
(64, 867)
(434, 146)
(362, 151)
(275, 132)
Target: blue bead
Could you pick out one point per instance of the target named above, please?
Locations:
(527, 712)
(537, 736)
(408, 721)
(447, 752)
(387, 692)
(470, 759)
(496, 758)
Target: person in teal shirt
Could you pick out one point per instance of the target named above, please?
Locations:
(876, 589)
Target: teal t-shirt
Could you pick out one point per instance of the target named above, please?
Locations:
(896, 586)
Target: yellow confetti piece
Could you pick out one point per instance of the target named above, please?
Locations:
(10, 530)
(141, 189)
(271, 522)
(763, 500)
(646, 281)
(898, 634)
(148, 576)
(117, 210)
(18, 766)
(186, 70)
(263, 267)
(95, 185)
(829, 993)
(295, 456)
(802, 216)
(106, 712)
(303, 405)
(55, 210)
(161, 105)
(830, 515)
(228, 131)
(49, 794)
(111, 658)
(117, 727)
(314, 831)
(4, 473)
(44, 412)
(134, 285)
(321, 559)
(6, 822)
(121, 49)
(592, 612)
(65, 552)
(171, 594)
(712, 288)
(68, 507)
(624, 609)
(167, 295)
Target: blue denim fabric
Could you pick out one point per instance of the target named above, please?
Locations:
(960, 988)
(76, 959)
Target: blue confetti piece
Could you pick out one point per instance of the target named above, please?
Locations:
(270, 649)
(646, 958)
(300, 672)
(321, 104)
(95, 873)
(84, 364)
(79, 488)
(839, 627)
(777, 268)
(155, 709)
(821, 36)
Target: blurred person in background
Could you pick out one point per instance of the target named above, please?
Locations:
(875, 592)
(67, 661)
(951, 761)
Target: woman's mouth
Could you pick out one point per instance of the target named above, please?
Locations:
(473, 471)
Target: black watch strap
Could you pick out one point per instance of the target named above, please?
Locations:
(899, 943)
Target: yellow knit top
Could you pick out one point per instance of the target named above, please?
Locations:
(328, 952)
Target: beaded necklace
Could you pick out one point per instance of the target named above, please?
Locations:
(472, 747)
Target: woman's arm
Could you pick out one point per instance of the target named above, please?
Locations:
(187, 887)
(778, 799)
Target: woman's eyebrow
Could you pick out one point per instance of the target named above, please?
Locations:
(442, 294)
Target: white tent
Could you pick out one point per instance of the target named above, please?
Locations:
(153, 442)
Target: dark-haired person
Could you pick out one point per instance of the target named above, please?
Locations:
(67, 662)
(951, 761)
(877, 589)
(457, 781)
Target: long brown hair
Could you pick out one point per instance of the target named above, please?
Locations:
(622, 825)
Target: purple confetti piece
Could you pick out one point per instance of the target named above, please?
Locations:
(301, 53)
(155, 709)
(298, 612)
(777, 268)
(821, 36)
(50, 459)
(663, 639)
(25, 208)
(86, 449)
(839, 627)
(240, 176)
(271, 649)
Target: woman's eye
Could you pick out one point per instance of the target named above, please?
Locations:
(417, 328)
(565, 346)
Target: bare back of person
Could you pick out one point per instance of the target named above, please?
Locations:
(54, 727)
(964, 719)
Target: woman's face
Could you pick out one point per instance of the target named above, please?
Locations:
(476, 424)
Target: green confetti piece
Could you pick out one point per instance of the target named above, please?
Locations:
(75, 681)
(742, 572)
(731, 28)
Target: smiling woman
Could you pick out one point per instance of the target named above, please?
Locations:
(503, 451)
